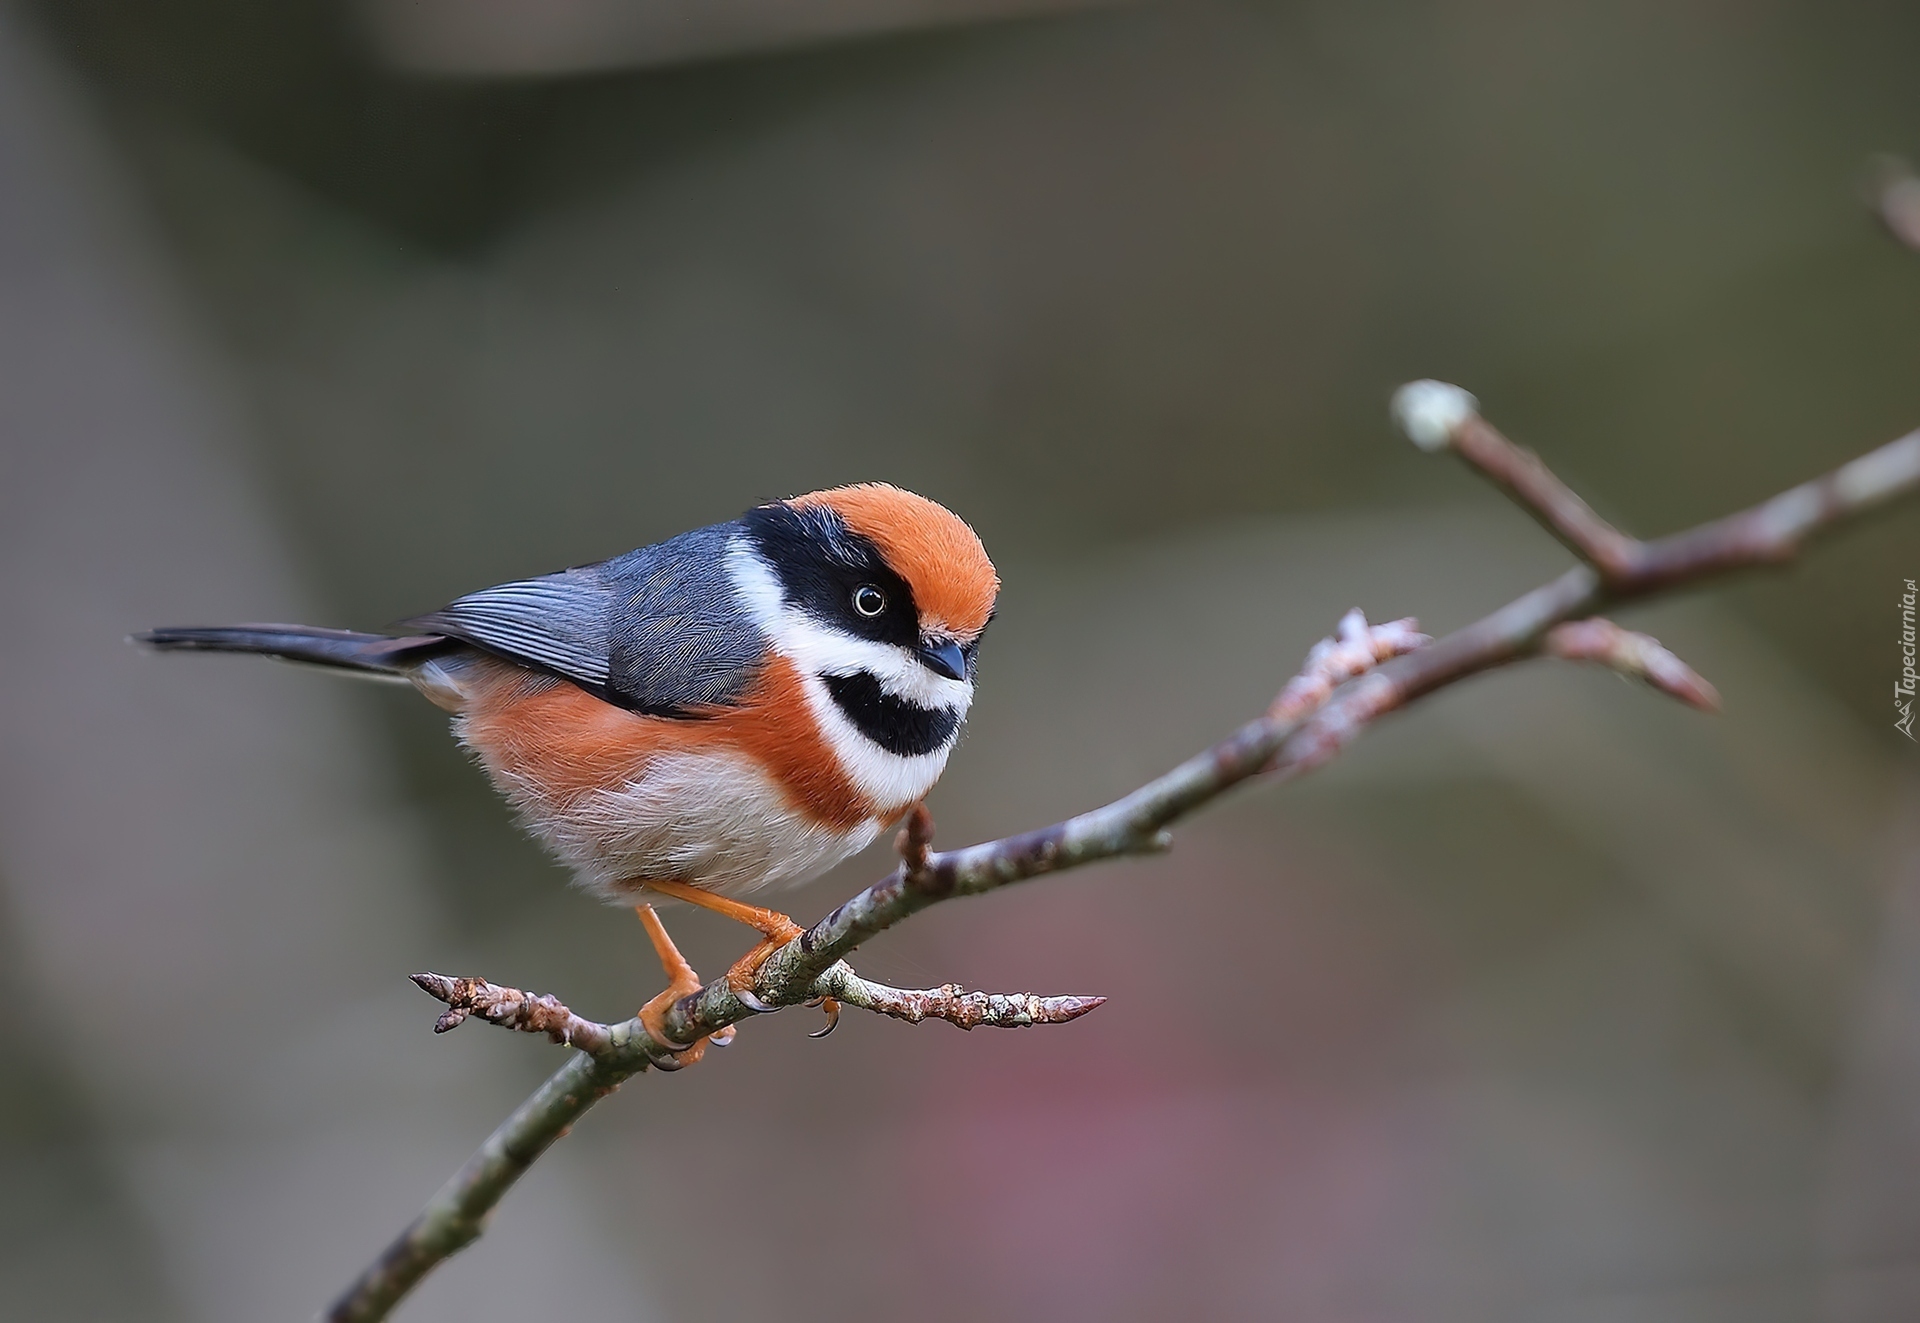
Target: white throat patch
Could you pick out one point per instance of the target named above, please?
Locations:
(891, 780)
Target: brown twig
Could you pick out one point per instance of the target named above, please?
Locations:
(954, 1004)
(1352, 650)
(512, 1009)
(1639, 656)
(914, 839)
(1436, 416)
(1349, 682)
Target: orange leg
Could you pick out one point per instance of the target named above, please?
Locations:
(681, 980)
(775, 929)
(769, 923)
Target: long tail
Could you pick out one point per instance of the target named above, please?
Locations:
(369, 654)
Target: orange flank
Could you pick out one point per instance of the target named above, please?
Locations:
(563, 742)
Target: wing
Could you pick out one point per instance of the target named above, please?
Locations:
(655, 631)
(557, 623)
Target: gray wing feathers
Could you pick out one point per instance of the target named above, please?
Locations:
(656, 630)
(559, 622)
(681, 640)
(697, 662)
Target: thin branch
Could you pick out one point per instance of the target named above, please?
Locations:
(1639, 656)
(1338, 695)
(954, 1004)
(1773, 532)
(1438, 416)
(512, 1009)
(1354, 649)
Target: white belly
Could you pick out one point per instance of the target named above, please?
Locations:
(712, 819)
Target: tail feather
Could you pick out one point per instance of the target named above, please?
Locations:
(343, 649)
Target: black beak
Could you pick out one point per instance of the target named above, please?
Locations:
(944, 659)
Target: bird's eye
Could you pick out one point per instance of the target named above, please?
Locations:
(868, 600)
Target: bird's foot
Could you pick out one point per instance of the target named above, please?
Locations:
(775, 929)
(747, 968)
(681, 981)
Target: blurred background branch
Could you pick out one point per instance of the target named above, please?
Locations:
(492, 38)
(1894, 192)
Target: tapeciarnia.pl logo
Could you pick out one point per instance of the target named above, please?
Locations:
(1904, 686)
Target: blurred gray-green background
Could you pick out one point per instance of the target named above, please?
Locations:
(1552, 1000)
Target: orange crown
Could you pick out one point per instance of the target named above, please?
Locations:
(953, 582)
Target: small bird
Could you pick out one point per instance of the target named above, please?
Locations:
(739, 707)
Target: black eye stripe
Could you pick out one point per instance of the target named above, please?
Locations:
(821, 563)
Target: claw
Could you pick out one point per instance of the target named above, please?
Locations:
(753, 1002)
(832, 1008)
(652, 1016)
